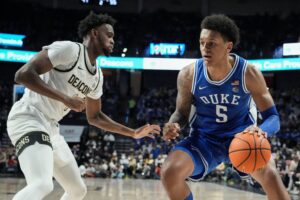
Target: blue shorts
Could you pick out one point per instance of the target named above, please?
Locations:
(206, 153)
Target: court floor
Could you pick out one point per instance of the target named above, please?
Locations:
(132, 189)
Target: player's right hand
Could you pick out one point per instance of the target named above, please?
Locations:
(75, 103)
(170, 131)
(256, 130)
(146, 131)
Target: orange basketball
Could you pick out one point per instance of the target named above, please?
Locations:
(249, 152)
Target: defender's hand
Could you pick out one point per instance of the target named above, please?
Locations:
(75, 103)
(171, 131)
(146, 131)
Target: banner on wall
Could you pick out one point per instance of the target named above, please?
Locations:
(14, 40)
(130, 63)
(71, 133)
(167, 49)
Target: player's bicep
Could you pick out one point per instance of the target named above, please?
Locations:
(39, 64)
(184, 95)
(256, 85)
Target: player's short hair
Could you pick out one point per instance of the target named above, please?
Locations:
(92, 21)
(224, 25)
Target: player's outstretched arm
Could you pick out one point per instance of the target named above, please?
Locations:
(28, 75)
(256, 85)
(183, 104)
(97, 118)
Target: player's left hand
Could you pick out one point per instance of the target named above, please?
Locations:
(256, 130)
(171, 131)
(146, 131)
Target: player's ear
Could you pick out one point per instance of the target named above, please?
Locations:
(229, 46)
(94, 32)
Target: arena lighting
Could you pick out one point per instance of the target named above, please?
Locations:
(109, 2)
(100, 2)
(167, 49)
(291, 49)
(155, 63)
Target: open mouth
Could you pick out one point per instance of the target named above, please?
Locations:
(206, 57)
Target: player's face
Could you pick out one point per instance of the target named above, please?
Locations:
(213, 47)
(105, 39)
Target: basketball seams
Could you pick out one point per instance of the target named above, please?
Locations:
(255, 157)
(262, 155)
(248, 158)
(244, 141)
(247, 155)
(264, 149)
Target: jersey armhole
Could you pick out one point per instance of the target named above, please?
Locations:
(195, 76)
(244, 78)
(98, 79)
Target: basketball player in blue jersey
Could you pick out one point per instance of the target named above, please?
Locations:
(215, 96)
(60, 78)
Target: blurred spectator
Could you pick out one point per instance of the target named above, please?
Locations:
(12, 164)
(3, 160)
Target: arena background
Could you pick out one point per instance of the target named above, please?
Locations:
(135, 96)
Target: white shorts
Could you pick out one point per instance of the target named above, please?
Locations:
(24, 118)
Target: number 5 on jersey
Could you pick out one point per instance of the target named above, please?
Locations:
(221, 114)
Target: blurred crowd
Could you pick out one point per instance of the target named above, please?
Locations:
(98, 156)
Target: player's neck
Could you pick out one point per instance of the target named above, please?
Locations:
(219, 70)
(92, 53)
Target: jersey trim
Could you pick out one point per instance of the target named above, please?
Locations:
(67, 70)
(86, 65)
(193, 115)
(252, 109)
(98, 80)
(195, 76)
(228, 75)
(205, 163)
(244, 77)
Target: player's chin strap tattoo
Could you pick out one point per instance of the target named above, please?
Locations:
(30, 139)
(271, 122)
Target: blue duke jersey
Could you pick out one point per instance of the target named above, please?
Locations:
(221, 108)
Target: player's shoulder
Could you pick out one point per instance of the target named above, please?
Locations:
(67, 46)
(188, 70)
(253, 78)
(186, 73)
(63, 53)
(252, 71)
(65, 43)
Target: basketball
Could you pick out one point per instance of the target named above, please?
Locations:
(249, 152)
